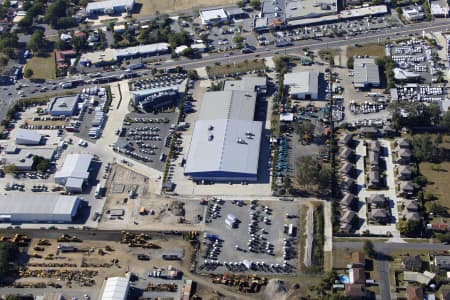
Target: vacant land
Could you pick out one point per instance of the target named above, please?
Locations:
(43, 67)
(438, 176)
(150, 7)
(371, 49)
(239, 67)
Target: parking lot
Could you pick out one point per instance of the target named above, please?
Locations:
(145, 137)
(250, 236)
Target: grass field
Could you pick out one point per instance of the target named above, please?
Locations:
(43, 67)
(150, 7)
(371, 49)
(231, 69)
(438, 176)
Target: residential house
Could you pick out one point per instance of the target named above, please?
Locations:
(412, 263)
(358, 259)
(377, 201)
(403, 143)
(357, 275)
(348, 201)
(369, 132)
(410, 211)
(355, 291)
(373, 179)
(346, 139)
(80, 35)
(348, 219)
(346, 153)
(403, 156)
(63, 57)
(422, 278)
(442, 262)
(404, 172)
(406, 188)
(347, 183)
(414, 293)
(346, 168)
(379, 215)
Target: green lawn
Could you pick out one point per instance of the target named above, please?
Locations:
(371, 49)
(438, 176)
(43, 67)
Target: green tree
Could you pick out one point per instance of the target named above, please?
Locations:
(255, 4)
(28, 73)
(238, 40)
(8, 254)
(55, 12)
(350, 62)
(11, 168)
(37, 42)
(408, 227)
(240, 3)
(26, 22)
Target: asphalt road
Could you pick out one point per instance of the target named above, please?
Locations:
(383, 277)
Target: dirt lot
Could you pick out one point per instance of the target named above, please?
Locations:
(150, 7)
(158, 212)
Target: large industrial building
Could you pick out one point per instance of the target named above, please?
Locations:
(74, 172)
(141, 51)
(63, 106)
(303, 85)
(226, 142)
(33, 208)
(155, 98)
(366, 73)
(28, 137)
(115, 288)
(109, 7)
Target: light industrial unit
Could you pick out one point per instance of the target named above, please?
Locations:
(366, 73)
(74, 172)
(32, 208)
(303, 85)
(115, 288)
(109, 7)
(63, 106)
(28, 137)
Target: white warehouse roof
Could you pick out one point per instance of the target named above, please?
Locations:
(115, 288)
(27, 136)
(213, 14)
(75, 165)
(234, 104)
(141, 50)
(38, 208)
(302, 82)
(109, 4)
(224, 146)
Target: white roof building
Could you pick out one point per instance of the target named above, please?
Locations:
(109, 6)
(209, 16)
(224, 150)
(303, 85)
(33, 207)
(141, 50)
(234, 104)
(366, 73)
(27, 137)
(115, 288)
(74, 172)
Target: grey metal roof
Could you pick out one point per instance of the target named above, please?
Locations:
(33, 204)
(28, 135)
(64, 103)
(247, 83)
(366, 72)
(224, 145)
(109, 4)
(115, 288)
(141, 50)
(302, 82)
(235, 105)
(75, 165)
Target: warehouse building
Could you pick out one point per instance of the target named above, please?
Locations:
(225, 142)
(155, 98)
(303, 85)
(74, 173)
(109, 7)
(141, 51)
(63, 106)
(248, 83)
(224, 150)
(208, 16)
(366, 73)
(28, 137)
(235, 105)
(34, 208)
(115, 288)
